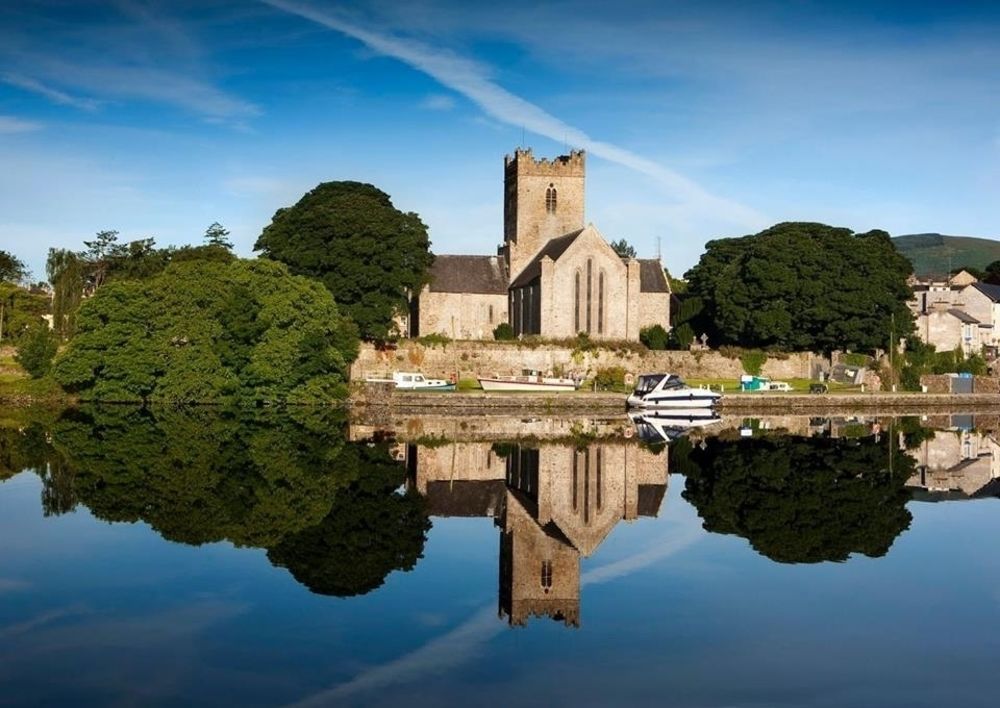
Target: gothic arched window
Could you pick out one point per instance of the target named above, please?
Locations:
(590, 292)
(576, 303)
(600, 302)
(550, 199)
(546, 574)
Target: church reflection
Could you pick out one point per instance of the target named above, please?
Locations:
(554, 505)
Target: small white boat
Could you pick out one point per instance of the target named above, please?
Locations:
(666, 425)
(669, 391)
(529, 380)
(410, 381)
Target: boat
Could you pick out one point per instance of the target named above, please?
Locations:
(529, 380)
(411, 381)
(666, 425)
(669, 391)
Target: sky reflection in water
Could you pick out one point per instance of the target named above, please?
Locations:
(202, 558)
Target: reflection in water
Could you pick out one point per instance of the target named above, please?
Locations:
(326, 509)
(341, 515)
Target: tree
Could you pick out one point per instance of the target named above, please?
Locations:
(366, 252)
(991, 274)
(37, 350)
(201, 331)
(654, 337)
(217, 235)
(12, 268)
(803, 286)
(623, 248)
(799, 499)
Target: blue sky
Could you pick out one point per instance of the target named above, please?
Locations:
(157, 117)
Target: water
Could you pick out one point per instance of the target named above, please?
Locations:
(204, 558)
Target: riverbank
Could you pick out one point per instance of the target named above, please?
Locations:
(610, 403)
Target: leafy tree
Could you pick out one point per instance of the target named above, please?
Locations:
(217, 235)
(802, 286)
(349, 236)
(678, 286)
(37, 350)
(991, 274)
(201, 331)
(503, 332)
(654, 337)
(12, 268)
(799, 499)
(623, 248)
(371, 530)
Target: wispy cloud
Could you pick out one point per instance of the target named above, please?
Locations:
(473, 81)
(438, 102)
(53, 94)
(12, 584)
(10, 124)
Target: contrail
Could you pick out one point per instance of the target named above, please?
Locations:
(472, 81)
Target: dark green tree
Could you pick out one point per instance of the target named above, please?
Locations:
(623, 248)
(201, 331)
(800, 499)
(371, 530)
(803, 286)
(37, 350)
(217, 235)
(12, 268)
(349, 236)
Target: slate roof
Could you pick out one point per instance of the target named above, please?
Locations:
(963, 316)
(989, 290)
(466, 498)
(553, 249)
(650, 499)
(651, 276)
(469, 274)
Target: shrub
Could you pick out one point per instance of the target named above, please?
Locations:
(610, 377)
(38, 348)
(433, 339)
(682, 335)
(654, 337)
(504, 332)
(753, 361)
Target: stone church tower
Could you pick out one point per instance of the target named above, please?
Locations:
(543, 199)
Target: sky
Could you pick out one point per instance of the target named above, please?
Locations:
(700, 120)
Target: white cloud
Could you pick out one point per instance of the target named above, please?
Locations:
(55, 95)
(438, 102)
(13, 584)
(473, 81)
(10, 125)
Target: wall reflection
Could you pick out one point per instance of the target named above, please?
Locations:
(553, 504)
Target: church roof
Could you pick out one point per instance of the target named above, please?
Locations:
(469, 274)
(650, 499)
(553, 249)
(652, 279)
(466, 497)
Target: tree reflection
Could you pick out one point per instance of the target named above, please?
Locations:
(800, 499)
(286, 481)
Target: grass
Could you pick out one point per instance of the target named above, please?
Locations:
(16, 384)
(798, 385)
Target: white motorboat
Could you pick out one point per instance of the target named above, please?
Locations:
(529, 380)
(410, 381)
(665, 425)
(669, 391)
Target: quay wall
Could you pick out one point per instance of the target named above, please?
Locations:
(469, 360)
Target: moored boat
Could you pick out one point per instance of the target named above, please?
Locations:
(529, 380)
(669, 391)
(410, 381)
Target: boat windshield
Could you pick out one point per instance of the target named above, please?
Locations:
(673, 382)
(648, 382)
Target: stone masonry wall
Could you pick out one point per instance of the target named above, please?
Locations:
(461, 315)
(472, 359)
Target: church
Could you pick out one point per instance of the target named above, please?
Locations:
(554, 276)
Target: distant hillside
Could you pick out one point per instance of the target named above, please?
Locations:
(932, 254)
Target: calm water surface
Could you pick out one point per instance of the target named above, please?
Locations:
(202, 558)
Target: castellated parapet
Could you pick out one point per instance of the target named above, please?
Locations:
(543, 199)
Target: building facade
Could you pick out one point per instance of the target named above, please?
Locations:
(554, 276)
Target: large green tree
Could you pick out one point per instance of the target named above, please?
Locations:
(12, 268)
(800, 499)
(802, 286)
(202, 331)
(348, 235)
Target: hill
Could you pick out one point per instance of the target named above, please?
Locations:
(933, 254)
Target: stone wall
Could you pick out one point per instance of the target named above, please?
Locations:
(461, 315)
(472, 359)
(941, 383)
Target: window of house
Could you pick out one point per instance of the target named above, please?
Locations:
(550, 199)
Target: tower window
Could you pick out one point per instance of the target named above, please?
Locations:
(546, 574)
(550, 199)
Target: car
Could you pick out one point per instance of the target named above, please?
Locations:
(782, 386)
